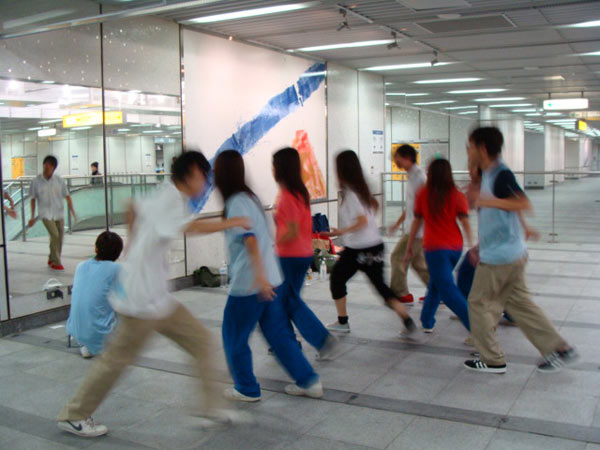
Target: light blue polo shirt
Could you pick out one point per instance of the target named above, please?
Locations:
(501, 236)
(240, 266)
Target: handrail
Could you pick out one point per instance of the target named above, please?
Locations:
(87, 177)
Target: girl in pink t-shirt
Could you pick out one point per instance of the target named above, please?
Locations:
(294, 248)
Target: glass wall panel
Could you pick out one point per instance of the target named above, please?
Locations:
(50, 104)
(141, 78)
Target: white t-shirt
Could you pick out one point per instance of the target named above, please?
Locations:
(415, 181)
(142, 289)
(50, 195)
(351, 209)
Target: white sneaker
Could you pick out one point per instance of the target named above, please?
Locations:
(314, 391)
(234, 395)
(227, 417)
(340, 328)
(84, 428)
(330, 350)
(85, 352)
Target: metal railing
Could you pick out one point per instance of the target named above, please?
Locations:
(551, 180)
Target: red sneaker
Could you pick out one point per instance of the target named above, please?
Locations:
(49, 262)
(407, 299)
(421, 299)
(57, 267)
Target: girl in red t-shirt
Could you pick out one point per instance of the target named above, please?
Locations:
(440, 205)
(294, 248)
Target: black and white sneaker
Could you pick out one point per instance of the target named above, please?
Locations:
(479, 366)
(556, 360)
(83, 428)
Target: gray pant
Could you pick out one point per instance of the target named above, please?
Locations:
(56, 230)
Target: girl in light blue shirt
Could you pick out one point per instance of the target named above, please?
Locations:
(254, 291)
(91, 318)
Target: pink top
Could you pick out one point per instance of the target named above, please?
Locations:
(288, 209)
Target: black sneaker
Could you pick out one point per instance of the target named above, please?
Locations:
(556, 360)
(479, 366)
(410, 325)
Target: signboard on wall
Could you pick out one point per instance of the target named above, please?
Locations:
(18, 167)
(279, 102)
(92, 118)
(378, 143)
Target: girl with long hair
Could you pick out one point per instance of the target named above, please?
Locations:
(254, 291)
(363, 246)
(294, 247)
(440, 205)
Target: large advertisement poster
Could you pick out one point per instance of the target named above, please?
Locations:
(255, 101)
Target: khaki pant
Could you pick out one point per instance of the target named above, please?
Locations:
(498, 288)
(129, 338)
(56, 230)
(399, 282)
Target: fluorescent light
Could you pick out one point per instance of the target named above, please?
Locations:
(47, 132)
(48, 82)
(346, 45)
(592, 23)
(589, 54)
(534, 114)
(566, 103)
(50, 121)
(476, 91)
(405, 66)
(417, 94)
(153, 131)
(388, 83)
(314, 74)
(462, 107)
(499, 99)
(141, 125)
(447, 80)
(123, 129)
(467, 112)
(510, 105)
(251, 13)
(553, 114)
(525, 110)
(441, 102)
(80, 128)
(554, 78)
(34, 129)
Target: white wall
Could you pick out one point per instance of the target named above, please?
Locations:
(572, 154)
(554, 154)
(585, 153)
(534, 159)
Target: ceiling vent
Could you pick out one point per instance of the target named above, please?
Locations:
(467, 24)
(420, 5)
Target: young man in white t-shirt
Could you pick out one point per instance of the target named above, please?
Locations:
(406, 158)
(143, 301)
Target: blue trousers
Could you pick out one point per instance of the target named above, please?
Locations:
(441, 264)
(241, 316)
(310, 327)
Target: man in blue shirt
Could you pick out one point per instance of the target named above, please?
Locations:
(499, 283)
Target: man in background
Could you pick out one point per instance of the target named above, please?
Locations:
(96, 175)
(49, 191)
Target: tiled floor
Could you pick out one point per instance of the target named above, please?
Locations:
(381, 393)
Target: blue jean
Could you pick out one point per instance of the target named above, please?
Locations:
(310, 327)
(241, 316)
(441, 264)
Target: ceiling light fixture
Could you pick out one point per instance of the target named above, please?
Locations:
(525, 110)
(344, 23)
(416, 94)
(80, 128)
(510, 105)
(435, 60)
(403, 66)
(251, 13)
(591, 23)
(462, 107)
(394, 43)
(534, 114)
(50, 121)
(34, 128)
(440, 102)
(499, 99)
(48, 82)
(319, 48)
(553, 114)
(447, 80)
(467, 112)
(476, 91)
(589, 54)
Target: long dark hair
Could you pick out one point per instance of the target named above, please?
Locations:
(288, 173)
(440, 184)
(230, 179)
(350, 176)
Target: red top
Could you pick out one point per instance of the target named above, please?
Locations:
(442, 231)
(290, 208)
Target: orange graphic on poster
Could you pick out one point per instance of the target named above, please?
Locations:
(311, 173)
(18, 167)
(395, 168)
